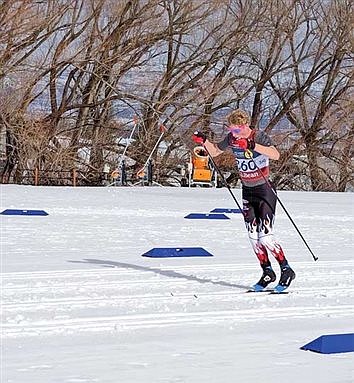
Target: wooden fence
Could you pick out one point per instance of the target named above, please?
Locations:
(70, 177)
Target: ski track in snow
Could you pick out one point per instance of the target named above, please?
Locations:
(125, 297)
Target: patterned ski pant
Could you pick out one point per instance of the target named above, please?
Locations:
(259, 204)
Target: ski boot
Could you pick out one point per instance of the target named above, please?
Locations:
(267, 277)
(287, 275)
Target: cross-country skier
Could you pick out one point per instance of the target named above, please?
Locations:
(252, 150)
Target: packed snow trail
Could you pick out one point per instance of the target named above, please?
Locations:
(128, 296)
(80, 304)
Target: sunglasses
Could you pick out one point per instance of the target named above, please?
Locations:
(237, 128)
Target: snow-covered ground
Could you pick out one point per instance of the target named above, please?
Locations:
(80, 303)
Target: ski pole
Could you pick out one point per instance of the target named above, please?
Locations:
(162, 130)
(135, 119)
(250, 154)
(223, 179)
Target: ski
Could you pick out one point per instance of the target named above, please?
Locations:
(274, 292)
(259, 291)
(267, 291)
(279, 289)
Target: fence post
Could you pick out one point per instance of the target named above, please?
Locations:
(74, 177)
(149, 172)
(36, 176)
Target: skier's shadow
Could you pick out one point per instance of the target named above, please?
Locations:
(166, 273)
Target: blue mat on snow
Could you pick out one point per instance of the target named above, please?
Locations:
(225, 210)
(331, 344)
(170, 252)
(206, 216)
(23, 212)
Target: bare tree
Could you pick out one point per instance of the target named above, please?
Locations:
(74, 73)
(303, 74)
(24, 28)
(194, 77)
